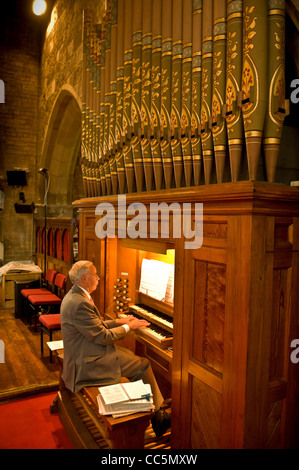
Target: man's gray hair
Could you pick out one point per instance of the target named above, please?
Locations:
(78, 269)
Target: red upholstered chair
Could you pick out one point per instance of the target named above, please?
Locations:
(49, 281)
(48, 324)
(48, 303)
(46, 288)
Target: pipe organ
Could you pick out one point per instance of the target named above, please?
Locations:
(175, 93)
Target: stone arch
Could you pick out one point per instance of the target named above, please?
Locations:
(61, 147)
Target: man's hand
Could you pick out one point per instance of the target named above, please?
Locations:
(132, 322)
(121, 321)
(135, 323)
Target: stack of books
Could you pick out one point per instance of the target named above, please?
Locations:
(125, 398)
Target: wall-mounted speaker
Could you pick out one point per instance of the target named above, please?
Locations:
(16, 178)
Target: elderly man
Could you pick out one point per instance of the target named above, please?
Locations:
(90, 356)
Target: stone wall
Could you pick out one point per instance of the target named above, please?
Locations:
(19, 55)
(32, 87)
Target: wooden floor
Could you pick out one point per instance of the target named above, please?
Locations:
(24, 372)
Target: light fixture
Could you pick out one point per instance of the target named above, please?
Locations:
(39, 7)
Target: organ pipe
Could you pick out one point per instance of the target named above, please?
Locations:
(174, 92)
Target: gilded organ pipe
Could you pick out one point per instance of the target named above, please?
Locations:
(196, 90)
(276, 105)
(156, 88)
(174, 90)
(166, 83)
(187, 91)
(206, 89)
(146, 94)
(218, 95)
(254, 79)
(233, 98)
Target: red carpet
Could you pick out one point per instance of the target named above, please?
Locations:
(28, 424)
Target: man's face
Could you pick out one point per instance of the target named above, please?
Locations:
(91, 279)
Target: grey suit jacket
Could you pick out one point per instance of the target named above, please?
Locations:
(90, 357)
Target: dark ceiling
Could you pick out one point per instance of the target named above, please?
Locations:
(22, 9)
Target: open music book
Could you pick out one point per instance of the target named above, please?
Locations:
(157, 280)
(125, 398)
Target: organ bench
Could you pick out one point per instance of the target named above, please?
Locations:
(79, 415)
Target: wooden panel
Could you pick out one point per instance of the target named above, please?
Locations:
(235, 332)
(280, 323)
(209, 308)
(7, 286)
(274, 425)
(205, 416)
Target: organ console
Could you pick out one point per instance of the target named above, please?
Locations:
(125, 297)
(217, 360)
(161, 329)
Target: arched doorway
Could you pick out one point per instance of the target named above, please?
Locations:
(61, 154)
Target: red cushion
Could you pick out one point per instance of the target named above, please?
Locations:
(50, 275)
(50, 321)
(60, 280)
(37, 291)
(44, 299)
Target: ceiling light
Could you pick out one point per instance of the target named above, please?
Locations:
(39, 7)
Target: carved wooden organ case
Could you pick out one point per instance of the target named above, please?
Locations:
(180, 100)
(234, 315)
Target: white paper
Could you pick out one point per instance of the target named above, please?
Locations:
(154, 278)
(136, 390)
(113, 394)
(54, 345)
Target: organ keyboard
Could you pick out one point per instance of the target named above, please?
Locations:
(161, 329)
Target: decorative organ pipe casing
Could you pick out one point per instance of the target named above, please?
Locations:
(112, 112)
(254, 79)
(146, 94)
(187, 91)
(169, 84)
(277, 105)
(176, 91)
(136, 94)
(207, 88)
(156, 91)
(218, 95)
(107, 101)
(233, 85)
(166, 84)
(196, 90)
(119, 125)
(127, 118)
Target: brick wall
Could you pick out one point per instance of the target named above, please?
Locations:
(19, 58)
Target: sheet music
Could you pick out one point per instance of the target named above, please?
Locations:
(156, 278)
(170, 286)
